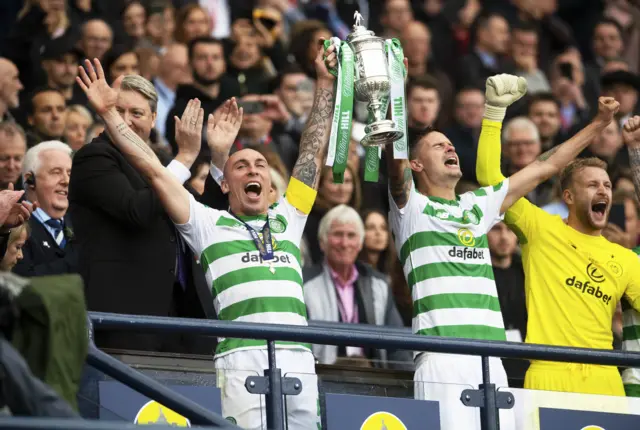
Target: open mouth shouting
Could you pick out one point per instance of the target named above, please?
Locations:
(253, 190)
(599, 209)
(451, 161)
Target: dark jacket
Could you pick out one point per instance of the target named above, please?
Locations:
(129, 245)
(473, 72)
(228, 88)
(375, 306)
(41, 254)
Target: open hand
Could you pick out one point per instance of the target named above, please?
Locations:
(503, 90)
(189, 128)
(607, 108)
(222, 130)
(631, 131)
(275, 110)
(326, 60)
(101, 96)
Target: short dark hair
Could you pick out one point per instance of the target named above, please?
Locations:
(609, 21)
(30, 107)
(416, 136)
(542, 97)
(568, 173)
(289, 69)
(203, 39)
(482, 21)
(525, 26)
(426, 82)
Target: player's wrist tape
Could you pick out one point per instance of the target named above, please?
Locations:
(494, 113)
(300, 195)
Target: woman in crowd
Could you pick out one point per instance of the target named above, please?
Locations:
(192, 21)
(77, 123)
(17, 238)
(377, 248)
(305, 37)
(121, 60)
(134, 18)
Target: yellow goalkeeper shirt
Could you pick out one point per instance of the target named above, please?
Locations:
(573, 281)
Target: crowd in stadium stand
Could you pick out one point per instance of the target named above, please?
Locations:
(98, 215)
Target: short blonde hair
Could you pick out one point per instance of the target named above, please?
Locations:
(82, 111)
(16, 232)
(567, 174)
(143, 87)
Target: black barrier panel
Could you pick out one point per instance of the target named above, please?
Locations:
(564, 419)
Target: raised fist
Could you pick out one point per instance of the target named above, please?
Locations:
(631, 131)
(502, 90)
(607, 108)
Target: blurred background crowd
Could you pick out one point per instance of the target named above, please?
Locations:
(110, 228)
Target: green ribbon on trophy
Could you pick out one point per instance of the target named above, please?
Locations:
(340, 136)
(379, 131)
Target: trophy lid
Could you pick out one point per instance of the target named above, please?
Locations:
(359, 30)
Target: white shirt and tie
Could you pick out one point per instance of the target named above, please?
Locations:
(55, 227)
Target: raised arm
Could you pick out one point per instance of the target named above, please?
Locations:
(174, 197)
(631, 138)
(553, 161)
(315, 136)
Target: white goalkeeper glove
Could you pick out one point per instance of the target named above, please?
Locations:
(501, 91)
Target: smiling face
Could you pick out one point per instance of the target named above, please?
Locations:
(247, 180)
(436, 160)
(376, 232)
(588, 197)
(343, 244)
(136, 113)
(52, 186)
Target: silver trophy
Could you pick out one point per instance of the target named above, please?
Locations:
(372, 83)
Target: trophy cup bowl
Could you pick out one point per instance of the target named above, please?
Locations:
(372, 84)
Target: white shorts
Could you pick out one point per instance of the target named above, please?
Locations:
(248, 410)
(443, 377)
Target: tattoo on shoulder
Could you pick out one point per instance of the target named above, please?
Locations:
(400, 187)
(313, 137)
(545, 156)
(634, 159)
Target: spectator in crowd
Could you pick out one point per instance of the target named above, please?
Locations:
(625, 235)
(524, 50)
(567, 79)
(487, 56)
(192, 22)
(608, 41)
(149, 62)
(606, 145)
(522, 147)
(465, 130)
(397, 14)
(173, 70)
(160, 25)
(15, 242)
(509, 276)
(264, 118)
(50, 249)
(46, 116)
(134, 18)
(199, 173)
(121, 60)
(210, 84)
(624, 87)
(60, 60)
(13, 146)
(331, 195)
(343, 289)
(96, 39)
(77, 123)
(423, 103)
(295, 89)
(305, 37)
(10, 87)
(377, 248)
(544, 111)
(246, 65)
(118, 219)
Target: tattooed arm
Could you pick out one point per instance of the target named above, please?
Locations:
(631, 138)
(400, 178)
(553, 161)
(173, 196)
(315, 136)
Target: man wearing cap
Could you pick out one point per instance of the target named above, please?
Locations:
(624, 87)
(60, 61)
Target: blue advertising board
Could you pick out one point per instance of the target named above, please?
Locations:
(345, 411)
(121, 403)
(564, 419)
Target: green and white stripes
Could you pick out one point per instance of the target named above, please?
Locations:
(444, 251)
(631, 342)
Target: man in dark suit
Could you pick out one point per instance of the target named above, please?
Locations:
(132, 259)
(50, 249)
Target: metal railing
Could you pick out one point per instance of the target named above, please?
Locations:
(354, 335)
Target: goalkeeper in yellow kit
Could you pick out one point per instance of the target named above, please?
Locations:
(574, 277)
